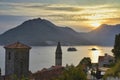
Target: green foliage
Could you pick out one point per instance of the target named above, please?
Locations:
(116, 50)
(24, 78)
(86, 61)
(14, 77)
(72, 73)
(114, 71)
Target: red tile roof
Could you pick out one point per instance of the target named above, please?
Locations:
(47, 74)
(101, 58)
(17, 45)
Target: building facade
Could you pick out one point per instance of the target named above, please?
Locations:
(106, 60)
(17, 60)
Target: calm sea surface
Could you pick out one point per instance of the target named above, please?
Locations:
(44, 57)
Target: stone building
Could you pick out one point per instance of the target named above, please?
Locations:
(16, 60)
(0, 74)
(58, 55)
(106, 60)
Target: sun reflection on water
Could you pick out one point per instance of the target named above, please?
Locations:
(94, 54)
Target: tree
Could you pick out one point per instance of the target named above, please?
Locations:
(86, 61)
(114, 71)
(116, 50)
(72, 73)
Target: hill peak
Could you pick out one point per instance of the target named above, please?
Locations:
(38, 21)
(106, 25)
(40, 32)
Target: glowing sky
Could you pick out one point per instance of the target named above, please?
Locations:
(81, 15)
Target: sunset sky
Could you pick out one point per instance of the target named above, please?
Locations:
(81, 15)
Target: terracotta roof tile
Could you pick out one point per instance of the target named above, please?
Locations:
(101, 58)
(17, 45)
(49, 73)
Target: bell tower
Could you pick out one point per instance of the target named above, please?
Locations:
(17, 60)
(58, 55)
(0, 73)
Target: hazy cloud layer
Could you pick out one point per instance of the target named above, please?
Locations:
(61, 14)
(74, 2)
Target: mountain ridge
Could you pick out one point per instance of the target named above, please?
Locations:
(104, 35)
(41, 32)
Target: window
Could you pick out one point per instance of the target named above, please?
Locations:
(9, 56)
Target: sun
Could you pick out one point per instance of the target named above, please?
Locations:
(95, 24)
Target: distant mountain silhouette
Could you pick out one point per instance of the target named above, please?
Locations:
(103, 35)
(41, 32)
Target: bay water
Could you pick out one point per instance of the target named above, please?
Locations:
(44, 56)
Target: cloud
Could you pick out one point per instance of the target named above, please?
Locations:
(65, 17)
(55, 7)
(113, 18)
(58, 8)
(64, 9)
(59, 13)
(74, 2)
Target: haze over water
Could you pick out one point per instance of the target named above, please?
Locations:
(44, 57)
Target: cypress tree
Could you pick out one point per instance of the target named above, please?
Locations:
(116, 50)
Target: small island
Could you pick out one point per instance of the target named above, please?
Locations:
(71, 49)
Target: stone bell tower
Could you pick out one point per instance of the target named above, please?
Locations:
(58, 55)
(17, 60)
(0, 74)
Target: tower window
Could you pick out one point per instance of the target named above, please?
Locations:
(9, 55)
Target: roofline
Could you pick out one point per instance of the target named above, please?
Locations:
(27, 47)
